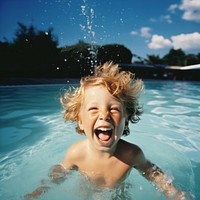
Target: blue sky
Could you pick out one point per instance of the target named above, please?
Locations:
(143, 26)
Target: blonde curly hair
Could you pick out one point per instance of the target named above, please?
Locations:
(120, 84)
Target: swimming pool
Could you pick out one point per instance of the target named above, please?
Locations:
(34, 137)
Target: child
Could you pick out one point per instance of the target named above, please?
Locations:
(103, 106)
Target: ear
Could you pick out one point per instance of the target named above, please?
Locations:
(126, 124)
(126, 128)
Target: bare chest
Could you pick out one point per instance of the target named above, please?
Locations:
(105, 174)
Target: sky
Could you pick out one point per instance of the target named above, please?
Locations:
(146, 27)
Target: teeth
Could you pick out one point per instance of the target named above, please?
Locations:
(104, 129)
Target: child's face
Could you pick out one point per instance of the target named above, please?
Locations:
(102, 117)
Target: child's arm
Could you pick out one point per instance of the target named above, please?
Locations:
(157, 176)
(56, 175)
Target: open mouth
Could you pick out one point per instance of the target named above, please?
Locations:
(103, 134)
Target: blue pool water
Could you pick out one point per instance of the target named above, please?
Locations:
(34, 137)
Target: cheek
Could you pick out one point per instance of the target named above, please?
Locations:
(122, 125)
(120, 121)
(92, 116)
(86, 120)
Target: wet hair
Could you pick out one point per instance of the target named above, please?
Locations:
(120, 84)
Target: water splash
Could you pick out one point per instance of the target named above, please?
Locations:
(89, 33)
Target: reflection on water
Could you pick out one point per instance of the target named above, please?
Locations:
(34, 137)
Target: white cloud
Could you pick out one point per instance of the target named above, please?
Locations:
(162, 18)
(189, 41)
(145, 32)
(191, 10)
(172, 8)
(134, 33)
(186, 41)
(166, 18)
(159, 42)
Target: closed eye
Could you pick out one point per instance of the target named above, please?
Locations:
(92, 109)
(115, 109)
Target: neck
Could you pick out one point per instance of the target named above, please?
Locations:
(103, 152)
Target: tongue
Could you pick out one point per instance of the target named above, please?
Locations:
(104, 136)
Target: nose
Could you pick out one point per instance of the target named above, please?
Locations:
(104, 114)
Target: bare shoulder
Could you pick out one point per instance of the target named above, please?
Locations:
(77, 147)
(130, 148)
(74, 154)
(132, 153)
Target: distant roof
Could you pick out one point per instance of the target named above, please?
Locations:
(189, 67)
(137, 65)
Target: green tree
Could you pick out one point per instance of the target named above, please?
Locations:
(6, 58)
(78, 59)
(114, 52)
(192, 59)
(34, 52)
(154, 59)
(198, 56)
(175, 57)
